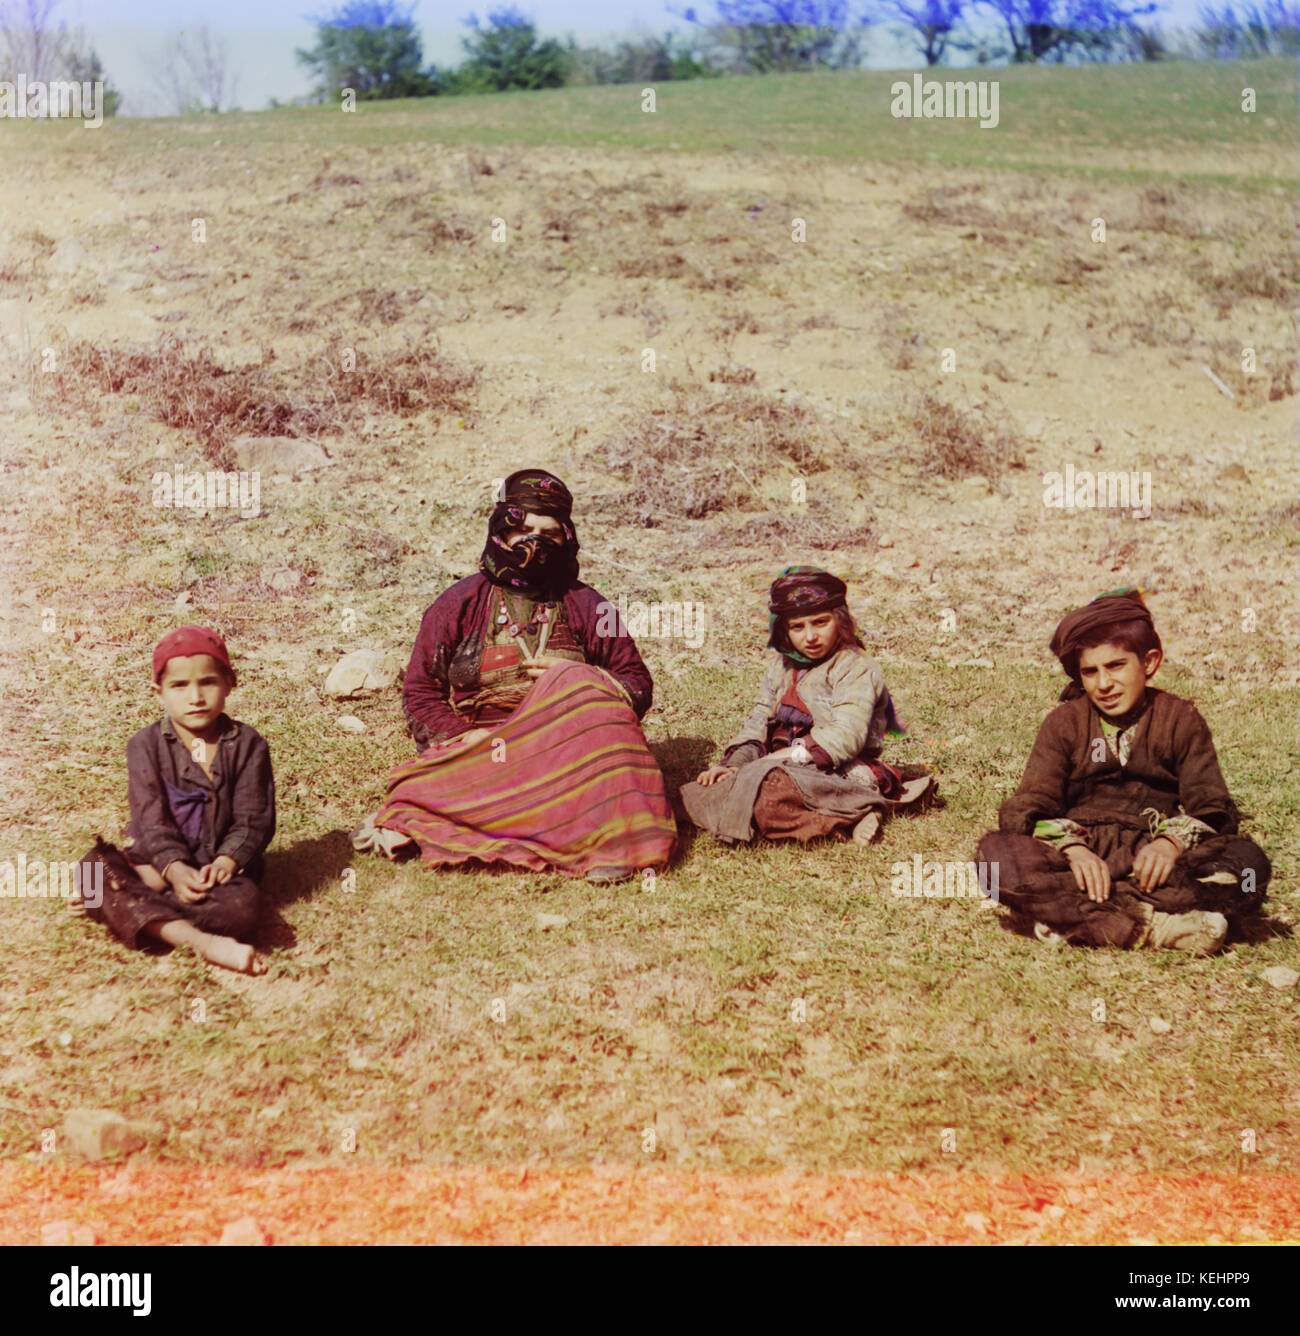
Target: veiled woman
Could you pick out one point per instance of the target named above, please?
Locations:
(524, 694)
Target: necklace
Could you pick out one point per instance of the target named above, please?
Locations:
(540, 617)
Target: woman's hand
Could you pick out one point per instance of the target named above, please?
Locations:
(536, 667)
(1090, 872)
(714, 773)
(1154, 863)
(469, 739)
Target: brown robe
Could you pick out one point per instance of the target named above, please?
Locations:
(1172, 766)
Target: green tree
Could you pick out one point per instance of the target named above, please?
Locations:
(641, 60)
(372, 47)
(506, 54)
(85, 66)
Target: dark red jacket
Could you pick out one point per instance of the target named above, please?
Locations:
(459, 616)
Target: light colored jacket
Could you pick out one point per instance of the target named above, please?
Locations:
(846, 696)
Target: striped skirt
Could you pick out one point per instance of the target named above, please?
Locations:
(565, 783)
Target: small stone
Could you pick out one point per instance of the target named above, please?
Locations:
(65, 1234)
(68, 256)
(283, 579)
(1280, 976)
(362, 670)
(183, 599)
(95, 1134)
(975, 488)
(243, 1233)
(278, 454)
(548, 921)
(1159, 1026)
(885, 540)
(1233, 473)
(974, 1220)
(349, 723)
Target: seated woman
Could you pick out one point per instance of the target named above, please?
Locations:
(523, 694)
(807, 762)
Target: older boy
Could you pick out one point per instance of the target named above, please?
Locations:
(202, 800)
(1122, 831)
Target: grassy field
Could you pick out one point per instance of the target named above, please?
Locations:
(762, 1008)
(1098, 122)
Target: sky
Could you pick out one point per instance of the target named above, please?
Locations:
(262, 35)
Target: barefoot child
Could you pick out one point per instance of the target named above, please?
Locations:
(202, 802)
(1122, 831)
(807, 762)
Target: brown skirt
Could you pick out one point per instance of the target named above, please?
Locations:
(780, 812)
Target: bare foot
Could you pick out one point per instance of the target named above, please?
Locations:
(223, 951)
(230, 954)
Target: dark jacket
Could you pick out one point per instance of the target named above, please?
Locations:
(237, 816)
(1172, 766)
(459, 616)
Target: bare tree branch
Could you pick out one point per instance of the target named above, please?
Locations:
(193, 71)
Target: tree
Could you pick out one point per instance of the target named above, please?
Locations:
(642, 59)
(1258, 30)
(372, 47)
(193, 71)
(932, 22)
(85, 66)
(1043, 29)
(507, 54)
(31, 43)
(759, 36)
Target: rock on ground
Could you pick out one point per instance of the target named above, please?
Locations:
(243, 1233)
(362, 670)
(66, 1234)
(278, 454)
(95, 1134)
(1280, 976)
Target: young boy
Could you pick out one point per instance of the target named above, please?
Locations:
(1122, 831)
(202, 800)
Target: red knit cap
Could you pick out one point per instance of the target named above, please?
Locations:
(187, 640)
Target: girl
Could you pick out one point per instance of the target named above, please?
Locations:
(807, 761)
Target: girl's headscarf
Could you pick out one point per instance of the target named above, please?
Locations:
(534, 565)
(800, 591)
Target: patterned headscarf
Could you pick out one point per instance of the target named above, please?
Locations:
(799, 591)
(1121, 605)
(534, 564)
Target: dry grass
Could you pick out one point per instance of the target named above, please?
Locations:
(187, 388)
(957, 442)
(702, 455)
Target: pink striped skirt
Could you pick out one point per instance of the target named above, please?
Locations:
(565, 783)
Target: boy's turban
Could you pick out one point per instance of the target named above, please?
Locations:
(1124, 605)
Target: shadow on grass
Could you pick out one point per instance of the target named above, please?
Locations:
(297, 873)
